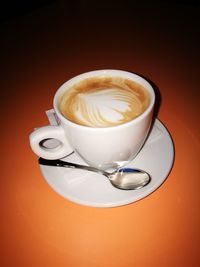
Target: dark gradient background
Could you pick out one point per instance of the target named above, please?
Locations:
(44, 43)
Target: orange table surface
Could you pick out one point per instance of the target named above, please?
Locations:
(42, 50)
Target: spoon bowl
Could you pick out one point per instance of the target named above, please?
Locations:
(129, 179)
(124, 178)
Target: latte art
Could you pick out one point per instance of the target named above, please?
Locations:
(106, 107)
(104, 102)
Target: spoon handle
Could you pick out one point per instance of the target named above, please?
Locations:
(62, 163)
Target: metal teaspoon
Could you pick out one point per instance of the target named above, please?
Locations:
(125, 178)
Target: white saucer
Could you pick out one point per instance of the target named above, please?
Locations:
(91, 189)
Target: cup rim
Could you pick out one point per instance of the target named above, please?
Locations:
(113, 72)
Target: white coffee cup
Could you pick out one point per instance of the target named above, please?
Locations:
(104, 147)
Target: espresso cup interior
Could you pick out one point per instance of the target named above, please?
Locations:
(104, 98)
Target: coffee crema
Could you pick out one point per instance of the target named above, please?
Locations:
(104, 101)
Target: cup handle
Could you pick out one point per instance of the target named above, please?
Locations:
(40, 135)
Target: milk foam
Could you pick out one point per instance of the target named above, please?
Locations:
(108, 106)
(105, 105)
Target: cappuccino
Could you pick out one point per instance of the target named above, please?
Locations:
(87, 106)
(104, 101)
